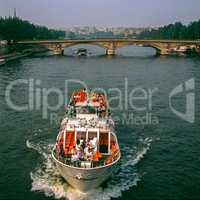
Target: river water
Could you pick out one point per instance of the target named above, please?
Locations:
(160, 149)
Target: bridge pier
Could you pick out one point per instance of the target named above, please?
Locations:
(59, 51)
(198, 50)
(110, 52)
(163, 52)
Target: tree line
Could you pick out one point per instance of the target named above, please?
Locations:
(15, 29)
(176, 31)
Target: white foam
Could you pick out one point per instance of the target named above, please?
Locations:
(47, 179)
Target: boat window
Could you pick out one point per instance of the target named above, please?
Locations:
(85, 110)
(61, 138)
(69, 137)
(113, 145)
(92, 135)
(112, 139)
(81, 135)
(103, 142)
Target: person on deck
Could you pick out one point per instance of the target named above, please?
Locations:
(74, 154)
(88, 152)
(93, 144)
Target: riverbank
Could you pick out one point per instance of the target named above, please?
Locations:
(12, 56)
(7, 57)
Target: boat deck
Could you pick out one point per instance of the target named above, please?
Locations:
(70, 153)
(80, 98)
(84, 163)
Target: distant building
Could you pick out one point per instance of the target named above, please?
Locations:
(15, 13)
(97, 32)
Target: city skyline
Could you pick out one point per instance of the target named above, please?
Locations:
(112, 13)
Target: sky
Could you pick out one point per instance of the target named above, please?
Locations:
(103, 13)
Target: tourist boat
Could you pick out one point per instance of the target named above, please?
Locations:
(81, 52)
(86, 152)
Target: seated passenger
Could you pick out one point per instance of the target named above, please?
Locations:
(74, 154)
(80, 154)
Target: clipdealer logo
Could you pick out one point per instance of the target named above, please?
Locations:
(188, 88)
(138, 99)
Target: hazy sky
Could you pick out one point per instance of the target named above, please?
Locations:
(135, 13)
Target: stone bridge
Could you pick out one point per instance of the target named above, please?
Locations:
(162, 47)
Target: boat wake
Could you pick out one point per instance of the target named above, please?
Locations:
(46, 178)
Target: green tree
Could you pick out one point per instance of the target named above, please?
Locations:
(174, 31)
(18, 29)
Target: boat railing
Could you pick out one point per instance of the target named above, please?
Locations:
(83, 163)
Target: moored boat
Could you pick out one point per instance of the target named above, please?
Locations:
(81, 52)
(86, 151)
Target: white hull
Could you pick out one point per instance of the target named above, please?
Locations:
(84, 179)
(82, 54)
(86, 151)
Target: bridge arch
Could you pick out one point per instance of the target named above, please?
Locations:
(93, 49)
(157, 48)
(58, 48)
(136, 50)
(66, 45)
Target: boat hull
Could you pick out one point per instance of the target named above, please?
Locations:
(82, 54)
(84, 179)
